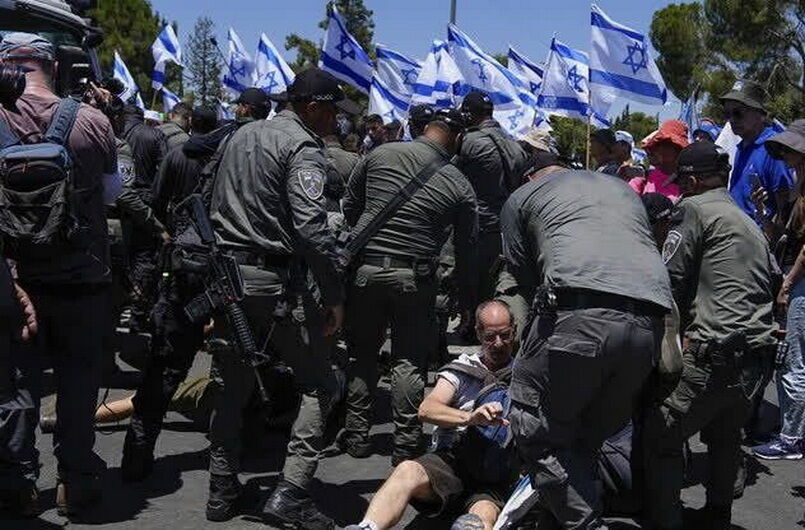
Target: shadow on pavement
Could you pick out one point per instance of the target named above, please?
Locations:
(344, 502)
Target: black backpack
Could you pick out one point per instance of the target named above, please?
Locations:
(37, 195)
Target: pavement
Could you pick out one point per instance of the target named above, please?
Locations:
(174, 496)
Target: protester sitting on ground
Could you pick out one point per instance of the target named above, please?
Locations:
(447, 477)
(602, 149)
(663, 148)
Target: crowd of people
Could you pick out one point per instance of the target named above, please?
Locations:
(617, 312)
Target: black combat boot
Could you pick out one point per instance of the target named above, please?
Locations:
(75, 498)
(290, 505)
(224, 502)
(138, 460)
(716, 517)
(20, 502)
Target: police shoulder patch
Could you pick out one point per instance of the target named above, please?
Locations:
(671, 245)
(312, 181)
(126, 170)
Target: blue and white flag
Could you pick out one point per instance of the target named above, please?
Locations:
(689, 115)
(515, 105)
(620, 63)
(121, 73)
(271, 73)
(238, 73)
(566, 88)
(343, 57)
(439, 80)
(138, 100)
(166, 48)
(224, 112)
(396, 71)
(169, 99)
(527, 70)
(387, 103)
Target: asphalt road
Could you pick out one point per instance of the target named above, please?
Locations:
(175, 495)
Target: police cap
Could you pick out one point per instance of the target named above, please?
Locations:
(702, 158)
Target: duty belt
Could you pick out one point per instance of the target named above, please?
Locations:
(258, 259)
(397, 262)
(584, 299)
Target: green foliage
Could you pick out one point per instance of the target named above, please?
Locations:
(680, 30)
(502, 58)
(571, 137)
(203, 63)
(638, 124)
(130, 27)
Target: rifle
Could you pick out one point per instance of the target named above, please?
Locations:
(223, 285)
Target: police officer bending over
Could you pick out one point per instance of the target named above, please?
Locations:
(395, 279)
(596, 335)
(719, 264)
(268, 209)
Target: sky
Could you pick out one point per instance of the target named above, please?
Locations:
(409, 26)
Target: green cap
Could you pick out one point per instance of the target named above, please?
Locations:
(749, 93)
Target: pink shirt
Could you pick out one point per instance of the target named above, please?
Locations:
(654, 183)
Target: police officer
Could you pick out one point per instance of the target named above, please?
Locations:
(418, 117)
(494, 164)
(268, 211)
(719, 265)
(596, 335)
(342, 162)
(177, 126)
(395, 283)
(175, 339)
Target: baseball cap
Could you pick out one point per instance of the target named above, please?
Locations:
(313, 84)
(34, 46)
(421, 113)
(604, 137)
(477, 103)
(747, 92)
(252, 96)
(701, 158)
(792, 138)
(658, 206)
(454, 118)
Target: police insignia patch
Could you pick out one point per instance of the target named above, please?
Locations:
(671, 245)
(126, 170)
(312, 182)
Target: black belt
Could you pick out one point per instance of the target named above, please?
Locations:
(583, 299)
(396, 262)
(259, 259)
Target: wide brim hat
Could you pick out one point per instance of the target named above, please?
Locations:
(673, 131)
(792, 138)
(748, 93)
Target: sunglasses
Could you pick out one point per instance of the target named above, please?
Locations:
(735, 114)
(506, 335)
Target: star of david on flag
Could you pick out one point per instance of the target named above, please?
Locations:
(342, 56)
(397, 71)
(439, 80)
(271, 73)
(238, 75)
(621, 65)
(527, 70)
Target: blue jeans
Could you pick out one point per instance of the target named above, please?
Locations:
(791, 375)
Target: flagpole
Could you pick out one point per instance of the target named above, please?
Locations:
(452, 11)
(589, 132)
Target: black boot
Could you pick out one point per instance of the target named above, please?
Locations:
(716, 517)
(20, 502)
(224, 501)
(138, 460)
(291, 505)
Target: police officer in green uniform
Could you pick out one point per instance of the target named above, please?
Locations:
(720, 270)
(177, 127)
(494, 164)
(342, 162)
(395, 279)
(268, 212)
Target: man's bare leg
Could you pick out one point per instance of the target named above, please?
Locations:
(488, 511)
(408, 481)
(114, 410)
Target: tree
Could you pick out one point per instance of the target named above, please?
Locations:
(679, 30)
(502, 58)
(130, 27)
(638, 124)
(571, 137)
(359, 24)
(203, 63)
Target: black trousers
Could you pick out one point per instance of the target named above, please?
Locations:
(173, 348)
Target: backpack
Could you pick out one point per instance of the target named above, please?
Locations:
(36, 187)
(484, 450)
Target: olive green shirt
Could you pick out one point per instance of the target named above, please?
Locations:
(174, 135)
(268, 197)
(720, 269)
(342, 163)
(420, 227)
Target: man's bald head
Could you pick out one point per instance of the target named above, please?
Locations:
(493, 313)
(495, 330)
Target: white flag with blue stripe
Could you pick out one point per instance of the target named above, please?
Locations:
(396, 71)
(386, 103)
(689, 115)
(238, 73)
(166, 48)
(121, 73)
(439, 80)
(342, 56)
(515, 105)
(527, 70)
(621, 65)
(566, 88)
(224, 111)
(169, 99)
(271, 73)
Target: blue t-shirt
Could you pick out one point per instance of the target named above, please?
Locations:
(754, 159)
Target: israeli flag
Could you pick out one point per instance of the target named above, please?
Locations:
(238, 73)
(272, 74)
(396, 71)
(689, 115)
(386, 103)
(121, 73)
(527, 70)
(620, 63)
(565, 89)
(224, 112)
(166, 48)
(169, 99)
(343, 57)
(515, 105)
(138, 100)
(439, 80)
